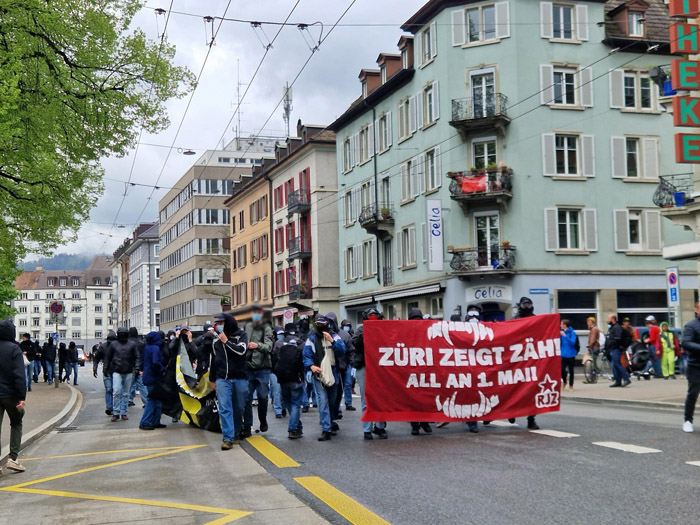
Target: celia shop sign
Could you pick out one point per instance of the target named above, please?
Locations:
(685, 76)
(489, 293)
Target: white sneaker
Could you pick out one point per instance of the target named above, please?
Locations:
(14, 465)
(687, 426)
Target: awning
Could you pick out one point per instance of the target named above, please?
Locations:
(358, 301)
(409, 292)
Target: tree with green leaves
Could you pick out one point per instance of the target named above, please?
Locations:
(77, 83)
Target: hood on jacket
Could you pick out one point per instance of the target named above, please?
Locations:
(333, 320)
(62, 346)
(415, 314)
(8, 332)
(662, 326)
(122, 335)
(230, 324)
(153, 338)
(71, 344)
(111, 335)
(133, 332)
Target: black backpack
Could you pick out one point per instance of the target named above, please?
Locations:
(577, 344)
(289, 367)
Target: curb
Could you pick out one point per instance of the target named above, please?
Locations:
(626, 402)
(69, 411)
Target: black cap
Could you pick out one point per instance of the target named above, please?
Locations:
(220, 317)
(278, 330)
(290, 328)
(525, 300)
(415, 314)
(208, 326)
(321, 319)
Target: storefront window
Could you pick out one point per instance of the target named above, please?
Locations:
(638, 304)
(577, 306)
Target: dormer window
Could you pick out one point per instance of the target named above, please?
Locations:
(382, 70)
(404, 58)
(364, 89)
(635, 23)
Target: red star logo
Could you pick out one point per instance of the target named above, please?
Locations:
(548, 384)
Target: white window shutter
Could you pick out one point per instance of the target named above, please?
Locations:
(419, 109)
(549, 160)
(650, 152)
(404, 182)
(458, 27)
(424, 241)
(582, 22)
(588, 155)
(413, 174)
(371, 140)
(417, 52)
(358, 204)
(546, 84)
(590, 232)
(433, 40)
(357, 252)
(390, 128)
(551, 236)
(502, 20)
(622, 230)
(412, 114)
(412, 244)
(374, 256)
(617, 88)
(345, 264)
(399, 249)
(342, 207)
(585, 77)
(438, 166)
(436, 100)
(420, 172)
(652, 221)
(546, 20)
(619, 159)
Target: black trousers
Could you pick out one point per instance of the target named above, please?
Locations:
(693, 375)
(567, 365)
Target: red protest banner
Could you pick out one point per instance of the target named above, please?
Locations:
(461, 371)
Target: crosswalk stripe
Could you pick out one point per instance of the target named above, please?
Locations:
(636, 449)
(555, 433)
(503, 424)
(694, 463)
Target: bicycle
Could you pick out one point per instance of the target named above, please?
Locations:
(596, 365)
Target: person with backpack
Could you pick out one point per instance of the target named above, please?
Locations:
(670, 349)
(260, 342)
(616, 342)
(570, 347)
(288, 367)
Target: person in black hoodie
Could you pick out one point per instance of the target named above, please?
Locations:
(124, 361)
(72, 361)
(227, 375)
(417, 315)
(13, 390)
(48, 355)
(99, 355)
(691, 344)
(29, 352)
(63, 371)
(288, 366)
(137, 383)
(526, 309)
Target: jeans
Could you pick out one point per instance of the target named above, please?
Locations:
(64, 370)
(276, 391)
(37, 369)
(347, 385)
(619, 372)
(231, 395)
(151, 414)
(9, 405)
(323, 396)
(258, 381)
(109, 401)
(567, 365)
(654, 362)
(366, 425)
(121, 383)
(309, 392)
(693, 375)
(74, 366)
(683, 363)
(137, 384)
(28, 371)
(292, 394)
(50, 367)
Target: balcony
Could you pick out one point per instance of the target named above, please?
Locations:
(492, 186)
(388, 277)
(378, 218)
(674, 190)
(498, 259)
(472, 115)
(299, 202)
(299, 291)
(300, 247)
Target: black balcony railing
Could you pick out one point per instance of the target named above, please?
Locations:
(300, 247)
(481, 184)
(465, 109)
(377, 213)
(299, 291)
(299, 202)
(388, 276)
(673, 190)
(496, 258)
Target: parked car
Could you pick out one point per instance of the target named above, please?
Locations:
(81, 357)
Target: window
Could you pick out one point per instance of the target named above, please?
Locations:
(432, 170)
(98, 321)
(76, 282)
(436, 308)
(36, 321)
(98, 295)
(349, 207)
(567, 154)
(407, 247)
(256, 289)
(562, 21)
(571, 230)
(157, 294)
(406, 118)
(352, 263)
(98, 308)
(635, 157)
(50, 281)
(632, 156)
(241, 256)
(63, 281)
(364, 145)
(37, 296)
(75, 295)
(98, 335)
(483, 153)
(577, 306)
(409, 182)
(23, 322)
(264, 286)
(49, 295)
(637, 231)
(486, 23)
(347, 164)
(638, 304)
(426, 45)
(425, 37)
(481, 23)
(637, 90)
(564, 86)
(382, 71)
(369, 258)
(36, 310)
(384, 131)
(23, 309)
(635, 23)
(62, 334)
(241, 220)
(431, 109)
(366, 195)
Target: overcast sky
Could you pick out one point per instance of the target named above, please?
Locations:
(324, 90)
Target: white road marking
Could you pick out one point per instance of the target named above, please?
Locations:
(694, 463)
(503, 424)
(636, 449)
(555, 433)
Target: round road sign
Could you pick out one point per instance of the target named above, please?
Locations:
(56, 308)
(672, 279)
(288, 315)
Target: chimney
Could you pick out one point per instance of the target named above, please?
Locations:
(39, 268)
(299, 126)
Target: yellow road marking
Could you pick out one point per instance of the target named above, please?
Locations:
(102, 452)
(230, 514)
(271, 452)
(343, 504)
(106, 465)
(225, 519)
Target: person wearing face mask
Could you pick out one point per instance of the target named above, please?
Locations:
(417, 315)
(275, 388)
(260, 341)
(288, 366)
(345, 370)
(526, 309)
(617, 340)
(473, 313)
(346, 326)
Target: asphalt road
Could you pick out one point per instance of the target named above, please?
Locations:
(501, 475)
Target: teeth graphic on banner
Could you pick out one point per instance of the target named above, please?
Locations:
(443, 329)
(450, 409)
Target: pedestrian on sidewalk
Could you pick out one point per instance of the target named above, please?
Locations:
(63, 371)
(123, 360)
(227, 375)
(288, 367)
(73, 361)
(691, 344)
(593, 345)
(99, 355)
(670, 349)
(260, 341)
(616, 342)
(154, 364)
(654, 342)
(357, 360)
(37, 360)
(48, 356)
(13, 390)
(137, 383)
(569, 351)
(29, 352)
(320, 352)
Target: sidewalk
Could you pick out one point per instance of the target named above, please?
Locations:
(46, 408)
(660, 393)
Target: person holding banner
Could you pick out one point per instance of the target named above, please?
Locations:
(417, 315)
(320, 352)
(526, 309)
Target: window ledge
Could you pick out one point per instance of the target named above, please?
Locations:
(404, 139)
(653, 254)
(383, 151)
(567, 106)
(429, 125)
(426, 64)
(350, 280)
(345, 172)
(640, 180)
(362, 163)
(349, 224)
(431, 191)
(481, 43)
(565, 177)
(409, 267)
(565, 41)
(640, 111)
(367, 277)
(407, 201)
(572, 252)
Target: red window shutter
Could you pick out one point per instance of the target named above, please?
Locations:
(287, 243)
(293, 229)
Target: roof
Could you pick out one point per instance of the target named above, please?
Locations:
(28, 280)
(657, 23)
(38, 279)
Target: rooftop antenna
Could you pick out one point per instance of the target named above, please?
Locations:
(287, 96)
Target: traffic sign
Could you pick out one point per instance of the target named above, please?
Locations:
(673, 287)
(288, 315)
(56, 307)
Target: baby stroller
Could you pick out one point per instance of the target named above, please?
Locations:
(637, 357)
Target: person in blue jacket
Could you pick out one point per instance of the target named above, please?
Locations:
(154, 364)
(322, 344)
(568, 353)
